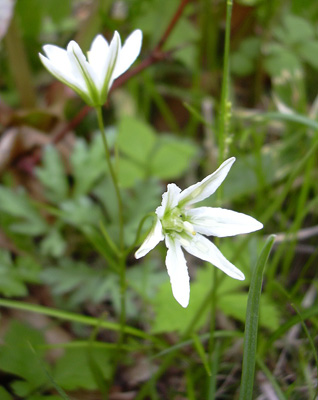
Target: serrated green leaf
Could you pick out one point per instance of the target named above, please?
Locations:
(80, 282)
(88, 164)
(53, 244)
(81, 211)
(27, 219)
(52, 175)
(13, 276)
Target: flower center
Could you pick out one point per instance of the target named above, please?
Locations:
(173, 220)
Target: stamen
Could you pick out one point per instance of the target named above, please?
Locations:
(189, 227)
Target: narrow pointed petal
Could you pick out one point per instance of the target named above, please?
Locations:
(220, 222)
(154, 237)
(170, 199)
(129, 52)
(97, 58)
(57, 62)
(203, 248)
(64, 76)
(205, 188)
(178, 272)
(111, 61)
(57, 56)
(79, 64)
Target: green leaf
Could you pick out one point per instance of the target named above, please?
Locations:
(53, 244)
(294, 30)
(4, 395)
(81, 282)
(129, 172)
(81, 211)
(52, 175)
(72, 370)
(88, 164)
(172, 157)
(13, 276)
(309, 52)
(285, 60)
(17, 355)
(27, 220)
(135, 139)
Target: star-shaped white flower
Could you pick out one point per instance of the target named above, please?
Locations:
(182, 226)
(92, 78)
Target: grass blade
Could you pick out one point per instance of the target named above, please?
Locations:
(251, 325)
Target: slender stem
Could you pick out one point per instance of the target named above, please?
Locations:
(74, 317)
(224, 117)
(113, 176)
(223, 127)
(121, 253)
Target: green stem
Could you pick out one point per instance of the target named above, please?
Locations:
(121, 253)
(224, 118)
(72, 317)
(113, 176)
(223, 128)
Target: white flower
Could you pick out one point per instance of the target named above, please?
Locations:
(92, 78)
(181, 226)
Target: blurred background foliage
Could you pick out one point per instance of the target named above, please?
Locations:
(56, 194)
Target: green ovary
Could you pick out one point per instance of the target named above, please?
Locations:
(173, 220)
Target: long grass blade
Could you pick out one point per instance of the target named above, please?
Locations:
(251, 326)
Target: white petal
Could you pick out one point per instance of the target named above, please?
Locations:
(207, 186)
(80, 66)
(58, 63)
(178, 272)
(203, 248)
(220, 222)
(64, 76)
(129, 53)
(170, 199)
(57, 56)
(97, 57)
(151, 241)
(111, 61)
